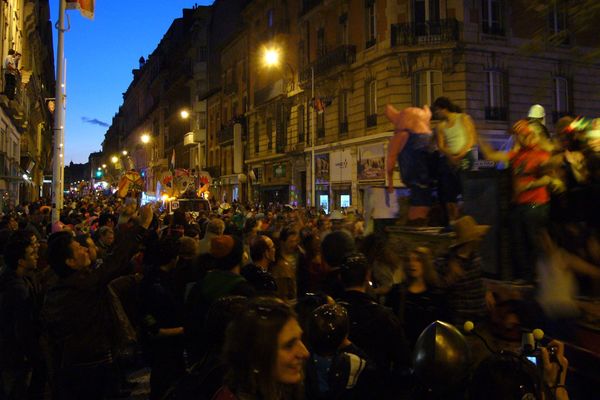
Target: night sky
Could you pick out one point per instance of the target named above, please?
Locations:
(100, 56)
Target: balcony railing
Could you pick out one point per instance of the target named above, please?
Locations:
(308, 5)
(496, 113)
(494, 29)
(342, 55)
(429, 32)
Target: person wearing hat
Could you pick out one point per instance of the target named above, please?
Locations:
(461, 273)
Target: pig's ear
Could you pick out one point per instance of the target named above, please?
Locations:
(391, 113)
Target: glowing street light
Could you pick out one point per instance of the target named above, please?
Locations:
(271, 57)
(114, 159)
(103, 165)
(124, 152)
(145, 138)
(185, 114)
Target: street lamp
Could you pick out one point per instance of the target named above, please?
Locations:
(145, 138)
(185, 114)
(114, 159)
(103, 165)
(271, 57)
(124, 152)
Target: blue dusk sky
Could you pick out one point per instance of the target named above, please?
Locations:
(100, 56)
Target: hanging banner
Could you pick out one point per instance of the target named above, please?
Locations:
(341, 166)
(322, 168)
(371, 162)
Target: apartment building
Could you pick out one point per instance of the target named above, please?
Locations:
(358, 55)
(25, 119)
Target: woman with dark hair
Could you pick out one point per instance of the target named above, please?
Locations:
(456, 136)
(264, 354)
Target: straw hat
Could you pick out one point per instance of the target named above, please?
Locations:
(467, 230)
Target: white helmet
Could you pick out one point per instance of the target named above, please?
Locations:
(538, 112)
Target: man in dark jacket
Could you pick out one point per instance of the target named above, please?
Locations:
(373, 328)
(20, 351)
(78, 312)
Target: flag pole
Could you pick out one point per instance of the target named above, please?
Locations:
(59, 119)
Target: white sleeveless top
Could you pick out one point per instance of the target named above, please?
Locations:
(455, 136)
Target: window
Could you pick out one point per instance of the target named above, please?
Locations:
(343, 112)
(427, 87)
(558, 22)
(493, 19)
(269, 133)
(426, 16)
(321, 124)
(301, 133)
(270, 19)
(321, 42)
(343, 29)
(371, 102)
(561, 98)
(370, 23)
(256, 137)
(495, 104)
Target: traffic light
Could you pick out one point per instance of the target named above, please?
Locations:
(99, 173)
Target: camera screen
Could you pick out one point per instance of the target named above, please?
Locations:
(533, 359)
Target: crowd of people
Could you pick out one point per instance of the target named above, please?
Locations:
(239, 303)
(278, 302)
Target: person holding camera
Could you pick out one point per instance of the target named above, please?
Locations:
(506, 375)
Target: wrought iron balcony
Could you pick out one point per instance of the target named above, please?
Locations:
(496, 113)
(342, 55)
(429, 32)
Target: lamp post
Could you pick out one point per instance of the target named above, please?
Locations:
(271, 58)
(313, 195)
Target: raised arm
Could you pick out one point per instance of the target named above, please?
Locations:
(490, 154)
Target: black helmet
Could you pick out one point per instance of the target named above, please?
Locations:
(441, 358)
(327, 327)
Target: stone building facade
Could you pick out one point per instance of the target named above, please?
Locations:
(25, 119)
